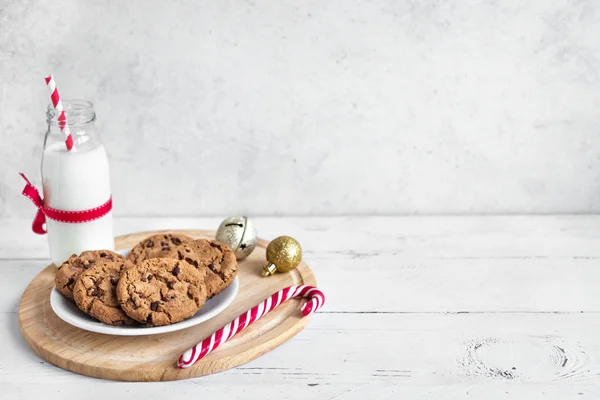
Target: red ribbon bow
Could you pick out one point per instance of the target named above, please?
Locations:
(71, 217)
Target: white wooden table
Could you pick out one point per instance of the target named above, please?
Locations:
(418, 307)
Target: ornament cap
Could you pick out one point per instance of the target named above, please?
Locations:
(269, 269)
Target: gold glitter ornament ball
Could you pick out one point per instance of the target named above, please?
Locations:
(283, 254)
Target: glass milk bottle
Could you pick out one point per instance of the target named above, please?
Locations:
(76, 180)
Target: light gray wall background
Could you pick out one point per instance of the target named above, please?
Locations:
(315, 107)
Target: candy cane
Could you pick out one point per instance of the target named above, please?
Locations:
(317, 299)
(58, 106)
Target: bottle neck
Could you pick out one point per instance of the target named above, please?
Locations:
(80, 120)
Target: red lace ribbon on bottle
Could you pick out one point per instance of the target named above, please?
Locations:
(71, 217)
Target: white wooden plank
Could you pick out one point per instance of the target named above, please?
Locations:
(404, 281)
(387, 283)
(81, 388)
(409, 237)
(16, 276)
(382, 355)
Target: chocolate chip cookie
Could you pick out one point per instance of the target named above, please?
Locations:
(95, 292)
(158, 246)
(161, 291)
(69, 271)
(215, 260)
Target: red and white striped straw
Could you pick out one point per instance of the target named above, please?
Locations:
(57, 104)
(317, 299)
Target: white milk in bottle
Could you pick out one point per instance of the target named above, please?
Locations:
(76, 180)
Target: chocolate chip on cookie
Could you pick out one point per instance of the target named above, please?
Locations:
(69, 271)
(95, 293)
(161, 291)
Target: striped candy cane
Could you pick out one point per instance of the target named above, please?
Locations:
(317, 299)
(57, 104)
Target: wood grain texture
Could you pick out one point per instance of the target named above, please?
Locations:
(153, 358)
(433, 356)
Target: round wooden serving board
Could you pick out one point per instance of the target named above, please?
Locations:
(153, 358)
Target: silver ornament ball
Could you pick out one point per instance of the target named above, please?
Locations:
(239, 234)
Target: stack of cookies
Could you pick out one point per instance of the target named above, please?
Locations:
(165, 279)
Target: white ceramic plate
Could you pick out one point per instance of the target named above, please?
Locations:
(68, 312)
